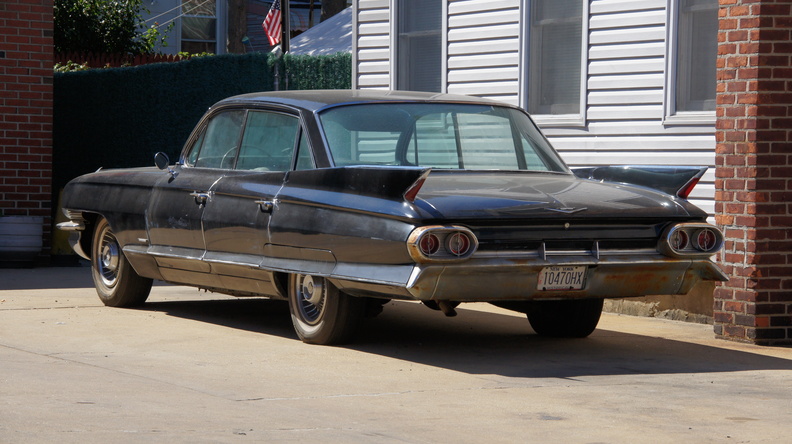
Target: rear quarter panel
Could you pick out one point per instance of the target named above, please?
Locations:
(120, 196)
(358, 214)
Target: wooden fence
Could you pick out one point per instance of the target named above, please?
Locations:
(115, 60)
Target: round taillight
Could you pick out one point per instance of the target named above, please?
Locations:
(429, 244)
(679, 240)
(458, 244)
(706, 239)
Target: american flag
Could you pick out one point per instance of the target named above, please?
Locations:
(272, 23)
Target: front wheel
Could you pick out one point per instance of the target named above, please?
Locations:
(569, 318)
(116, 282)
(322, 314)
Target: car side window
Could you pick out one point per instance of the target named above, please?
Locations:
(221, 140)
(304, 159)
(269, 141)
(192, 155)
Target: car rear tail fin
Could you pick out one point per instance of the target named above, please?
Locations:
(412, 192)
(674, 180)
(388, 182)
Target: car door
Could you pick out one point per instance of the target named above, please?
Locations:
(236, 220)
(179, 200)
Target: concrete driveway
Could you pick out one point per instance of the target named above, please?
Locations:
(197, 367)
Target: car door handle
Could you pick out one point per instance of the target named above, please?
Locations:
(265, 205)
(200, 198)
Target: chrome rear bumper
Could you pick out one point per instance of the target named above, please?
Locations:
(503, 279)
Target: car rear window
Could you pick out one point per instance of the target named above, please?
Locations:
(437, 135)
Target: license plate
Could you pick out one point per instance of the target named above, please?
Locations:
(562, 278)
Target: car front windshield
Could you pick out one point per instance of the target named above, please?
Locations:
(438, 135)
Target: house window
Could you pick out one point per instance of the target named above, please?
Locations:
(199, 26)
(419, 48)
(696, 48)
(555, 57)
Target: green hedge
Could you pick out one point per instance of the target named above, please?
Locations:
(120, 117)
(318, 72)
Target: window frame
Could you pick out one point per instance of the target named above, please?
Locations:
(397, 73)
(201, 137)
(554, 120)
(303, 142)
(671, 116)
(251, 112)
(197, 136)
(220, 26)
(522, 134)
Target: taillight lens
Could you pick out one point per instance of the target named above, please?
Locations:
(429, 244)
(706, 239)
(458, 244)
(441, 243)
(690, 239)
(679, 240)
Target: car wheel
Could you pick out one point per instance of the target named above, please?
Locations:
(322, 314)
(575, 318)
(116, 282)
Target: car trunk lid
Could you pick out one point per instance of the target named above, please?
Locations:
(520, 195)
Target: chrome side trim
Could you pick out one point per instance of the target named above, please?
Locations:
(207, 262)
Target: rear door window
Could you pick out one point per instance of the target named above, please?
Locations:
(269, 142)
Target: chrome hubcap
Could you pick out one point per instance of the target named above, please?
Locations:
(109, 258)
(312, 291)
(311, 295)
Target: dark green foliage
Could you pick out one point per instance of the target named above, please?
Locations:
(120, 117)
(318, 72)
(102, 26)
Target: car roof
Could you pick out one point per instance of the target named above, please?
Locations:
(313, 100)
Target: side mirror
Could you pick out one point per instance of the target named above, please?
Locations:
(162, 161)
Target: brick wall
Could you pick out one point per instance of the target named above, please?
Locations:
(753, 175)
(26, 52)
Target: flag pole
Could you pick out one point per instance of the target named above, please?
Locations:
(286, 26)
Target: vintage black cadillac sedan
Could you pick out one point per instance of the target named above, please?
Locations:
(342, 200)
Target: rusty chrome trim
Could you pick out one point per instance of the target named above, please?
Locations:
(71, 226)
(543, 253)
(664, 244)
(442, 232)
(76, 221)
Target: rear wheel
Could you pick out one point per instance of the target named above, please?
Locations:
(321, 314)
(116, 282)
(573, 318)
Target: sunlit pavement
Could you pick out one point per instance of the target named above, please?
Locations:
(199, 367)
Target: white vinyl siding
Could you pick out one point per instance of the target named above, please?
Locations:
(626, 99)
(625, 80)
(484, 48)
(372, 44)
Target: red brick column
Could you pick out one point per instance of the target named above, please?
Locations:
(26, 54)
(753, 175)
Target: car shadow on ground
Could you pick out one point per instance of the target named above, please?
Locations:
(257, 315)
(477, 342)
